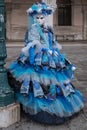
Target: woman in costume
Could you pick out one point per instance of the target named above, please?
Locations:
(41, 76)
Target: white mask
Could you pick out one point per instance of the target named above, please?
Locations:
(40, 19)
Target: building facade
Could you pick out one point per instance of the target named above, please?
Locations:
(69, 19)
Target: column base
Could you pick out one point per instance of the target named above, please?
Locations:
(9, 115)
(6, 98)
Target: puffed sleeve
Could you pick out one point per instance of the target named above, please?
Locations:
(32, 40)
(33, 34)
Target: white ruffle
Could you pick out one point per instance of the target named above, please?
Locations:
(25, 50)
(57, 45)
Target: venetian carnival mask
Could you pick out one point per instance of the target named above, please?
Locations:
(40, 19)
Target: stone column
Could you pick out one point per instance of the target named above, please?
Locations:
(85, 22)
(9, 110)
(52, 4)
(8, 7)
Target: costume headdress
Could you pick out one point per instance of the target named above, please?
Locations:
(40, 8)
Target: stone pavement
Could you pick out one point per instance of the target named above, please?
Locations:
(77, 53)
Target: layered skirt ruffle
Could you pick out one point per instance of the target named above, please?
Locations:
(46, 93)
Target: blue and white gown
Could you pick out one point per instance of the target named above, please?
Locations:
(41, 78)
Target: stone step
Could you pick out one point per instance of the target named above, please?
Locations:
(9, 115)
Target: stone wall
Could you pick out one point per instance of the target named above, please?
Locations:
(76, 31)
(16, 20)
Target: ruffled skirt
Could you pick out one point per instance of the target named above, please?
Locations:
(46, 93)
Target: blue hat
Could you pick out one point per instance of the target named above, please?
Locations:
(39, 8)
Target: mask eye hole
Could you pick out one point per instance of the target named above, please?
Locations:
(37, 17)
(41, 17)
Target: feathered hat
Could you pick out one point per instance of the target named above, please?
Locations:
(39, 8)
